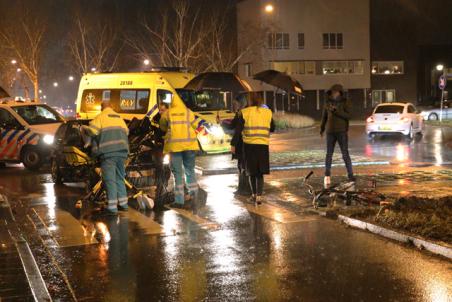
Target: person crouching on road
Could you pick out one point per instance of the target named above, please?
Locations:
(256, 123)
(181, 143)
(111, 146)
(335, 121)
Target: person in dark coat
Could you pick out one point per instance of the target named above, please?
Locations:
(243, 187)
(335, 122)
(255, 124)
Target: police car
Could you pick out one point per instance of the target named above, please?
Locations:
(27, 132)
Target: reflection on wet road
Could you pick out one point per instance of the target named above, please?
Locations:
(307, 148)
(228, 251)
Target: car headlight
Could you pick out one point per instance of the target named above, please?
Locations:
(48, 139)
(166, 159)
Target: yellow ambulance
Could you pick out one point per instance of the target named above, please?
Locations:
(132, 95)
(137, 94)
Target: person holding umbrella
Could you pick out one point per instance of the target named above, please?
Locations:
(335, 121)
(255, 124)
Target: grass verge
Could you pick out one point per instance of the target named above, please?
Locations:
(447, 123)
(291, 121)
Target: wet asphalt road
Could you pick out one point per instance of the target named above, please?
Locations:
(230, 250)
(432, 148)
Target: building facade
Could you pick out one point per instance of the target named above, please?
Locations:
(318, 42)
(409, 40)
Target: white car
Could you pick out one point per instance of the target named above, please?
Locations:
(27, 132)
(402, 118)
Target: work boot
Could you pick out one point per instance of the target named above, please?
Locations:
(123, 208)
(259, 199)
(252, 198)
(185, 206)
(326, 182)
(108, 212)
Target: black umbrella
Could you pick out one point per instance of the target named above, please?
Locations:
(224, 81)
(3, 93)
(280, 80)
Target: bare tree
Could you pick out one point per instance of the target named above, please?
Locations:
(175, 39)
(22, 34)
(94, 42)
(220, 49)
(197, 37)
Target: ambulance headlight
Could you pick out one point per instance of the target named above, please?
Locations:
(48, 139)
(166, 159)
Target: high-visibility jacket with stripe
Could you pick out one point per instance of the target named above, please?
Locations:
(257, 125)
(180, 124)
(110, 134)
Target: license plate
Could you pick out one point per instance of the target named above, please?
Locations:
(385, 128)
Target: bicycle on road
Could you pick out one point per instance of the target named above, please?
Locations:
(344, 192)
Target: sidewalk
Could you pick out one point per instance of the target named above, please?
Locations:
(20, 278)
(13, 280)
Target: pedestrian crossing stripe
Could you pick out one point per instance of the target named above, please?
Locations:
(201, 221)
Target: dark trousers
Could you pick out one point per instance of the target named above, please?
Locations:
(257, 184)
(342, 139)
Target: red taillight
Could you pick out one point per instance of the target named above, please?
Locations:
(370, 119)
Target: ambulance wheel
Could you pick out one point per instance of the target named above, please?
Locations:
(32, 158)
(56, 173)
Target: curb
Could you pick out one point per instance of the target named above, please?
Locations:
(390, 234)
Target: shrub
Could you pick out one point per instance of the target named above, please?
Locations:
(291, 121)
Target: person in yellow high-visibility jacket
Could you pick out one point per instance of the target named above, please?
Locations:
(256, 123)
(181, 126)
(111, 145)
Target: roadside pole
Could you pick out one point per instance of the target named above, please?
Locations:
(442, 85)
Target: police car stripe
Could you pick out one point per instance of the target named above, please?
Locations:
(31, 137)
(6, 149)
(14, 152)
(4, 133)
(21, 137)
(11, 137)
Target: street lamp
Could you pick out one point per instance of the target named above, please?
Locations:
(71, 78)
(146, 62)
(44, 97)
(40, 91)
(93, 69)
(14, 62)
(18, 70)
(269, 8)
(55, 84)
(440, 67)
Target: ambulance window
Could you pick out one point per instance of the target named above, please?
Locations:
(7, 120)
(143, 100)
(164, 96)
(106, 94)
(133, 101)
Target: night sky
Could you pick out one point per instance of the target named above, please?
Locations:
(56, 60)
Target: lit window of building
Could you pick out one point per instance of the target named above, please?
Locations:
(387, 67)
